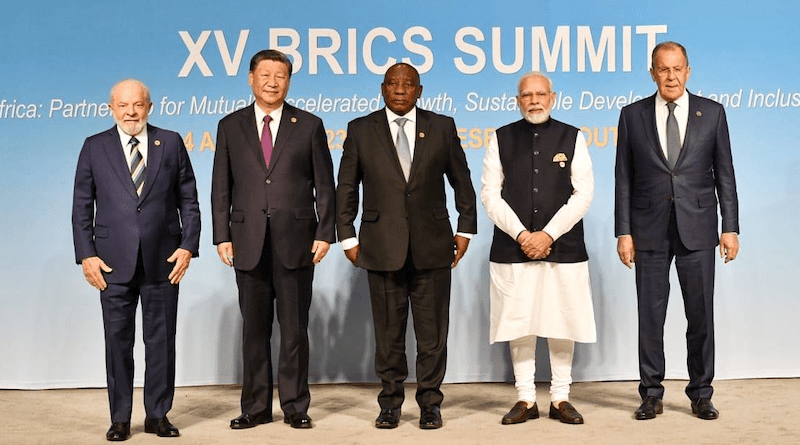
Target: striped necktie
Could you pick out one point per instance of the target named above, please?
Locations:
(137, 166)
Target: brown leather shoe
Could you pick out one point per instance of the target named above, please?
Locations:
(521, 413)
(566, 413)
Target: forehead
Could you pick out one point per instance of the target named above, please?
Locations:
(271, 66)
(402, 72)
(534, 83)
(669, 57)
(129, 92)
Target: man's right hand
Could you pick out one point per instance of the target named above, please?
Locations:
(626, 249)
(352, 254)
(225, 252)
(91, 270)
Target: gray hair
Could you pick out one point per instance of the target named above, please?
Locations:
(134, 81)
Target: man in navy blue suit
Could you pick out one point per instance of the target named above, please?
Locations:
(136, 226)
(673, 167)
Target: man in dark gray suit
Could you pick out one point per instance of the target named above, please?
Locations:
(401, 155)
(273, 208)
(673, 165)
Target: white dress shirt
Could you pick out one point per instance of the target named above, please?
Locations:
(275, 115)
(681, 115)
(125, 140)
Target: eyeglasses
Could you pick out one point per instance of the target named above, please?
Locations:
(665, 72)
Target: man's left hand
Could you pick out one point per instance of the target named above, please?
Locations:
(319, 249)
(729, 246)
(181, 258)
(460, 244)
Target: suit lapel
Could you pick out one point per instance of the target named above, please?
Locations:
(251, 136)
(423, 124)
(384, 136)
(117, 160)
(285, 129)
(692, 123)
(649, 124)
(155, 153)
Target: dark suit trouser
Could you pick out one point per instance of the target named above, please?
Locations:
(159, 317)
(290, 289)
(696, 276)
(428, 292)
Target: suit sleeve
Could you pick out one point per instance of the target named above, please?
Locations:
(221, 190)
(349, 178)
(724, 177)
(460, 179)
(623, 180)
(187, 202)
(83, 206)
(323, 185)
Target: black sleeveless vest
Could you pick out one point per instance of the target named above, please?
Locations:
(536, 162)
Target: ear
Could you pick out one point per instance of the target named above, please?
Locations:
(653, 74)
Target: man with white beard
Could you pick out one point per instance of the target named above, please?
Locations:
(537, 184)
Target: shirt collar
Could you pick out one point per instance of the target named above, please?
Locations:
(411, 115)
(682, 101)
(274, 114)
(126, 138)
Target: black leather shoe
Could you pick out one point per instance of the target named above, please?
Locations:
(119, 431)
(249, 421)
(430, 418)
(521, 413)
(651, 405)
(298, 420)
(388, 418)
(162, 427)
(566, 413)
(704, 409)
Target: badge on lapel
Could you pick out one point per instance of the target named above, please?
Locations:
(294, 120)
(156, 142)
(561, 158)
(421, 134)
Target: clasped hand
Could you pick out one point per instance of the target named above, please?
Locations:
(535, 245)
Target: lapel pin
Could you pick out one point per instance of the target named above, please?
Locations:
(421, 134)
(698, 114)
(156, 142)
(294, 120)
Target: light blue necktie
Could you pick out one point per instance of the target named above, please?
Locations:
(403, 150)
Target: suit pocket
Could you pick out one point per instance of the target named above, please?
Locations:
(641, 202)
(305, 213)
(369, 216)
(237, 216)
(707, 200)
(101, 232)
(440, 213)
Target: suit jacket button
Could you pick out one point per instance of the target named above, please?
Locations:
(268, 181)
(138, 210)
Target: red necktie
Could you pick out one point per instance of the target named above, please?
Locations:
(266, 140)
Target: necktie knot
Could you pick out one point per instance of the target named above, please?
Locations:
(671, 106)
(134, 142)
(400, 121)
